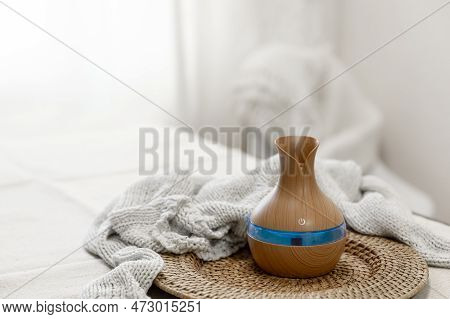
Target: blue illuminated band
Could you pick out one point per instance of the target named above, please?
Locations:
(290, 238)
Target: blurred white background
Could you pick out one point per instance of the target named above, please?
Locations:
(409, 82)
(185, 56)
(46, 88)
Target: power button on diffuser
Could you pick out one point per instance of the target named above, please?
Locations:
(301, 221)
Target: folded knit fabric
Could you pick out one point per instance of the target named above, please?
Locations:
(207, 216)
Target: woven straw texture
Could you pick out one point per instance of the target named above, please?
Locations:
(371, 267)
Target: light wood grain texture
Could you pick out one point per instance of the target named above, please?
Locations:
(296, 261)
(296, 204)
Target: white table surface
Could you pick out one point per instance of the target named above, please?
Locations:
(50, 192)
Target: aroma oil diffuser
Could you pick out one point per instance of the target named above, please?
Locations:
(296, 231)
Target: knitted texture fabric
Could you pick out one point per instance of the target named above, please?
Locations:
(207, 216)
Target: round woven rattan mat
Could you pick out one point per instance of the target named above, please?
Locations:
(371, 267)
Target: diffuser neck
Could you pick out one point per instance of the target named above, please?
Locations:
(297, 156)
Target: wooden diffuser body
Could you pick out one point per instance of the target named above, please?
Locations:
(296, 231)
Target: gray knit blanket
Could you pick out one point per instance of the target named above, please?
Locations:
(206, 216)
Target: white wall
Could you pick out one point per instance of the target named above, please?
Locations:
(409, 80)
(47, 89)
